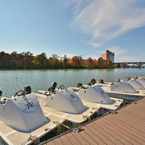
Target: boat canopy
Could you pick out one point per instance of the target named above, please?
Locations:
(66, 101)
(122, 87)
(95, 94)
(136, 85)
(141, 81)
(23, 113)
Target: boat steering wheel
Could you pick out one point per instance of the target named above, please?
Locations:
(20, 93)
(61, 87)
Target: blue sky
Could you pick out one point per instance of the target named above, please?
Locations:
(74, 27)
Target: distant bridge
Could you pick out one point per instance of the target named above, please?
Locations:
(131, 64)
(137, 62)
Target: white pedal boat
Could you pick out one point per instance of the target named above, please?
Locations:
(22, 121)
(94, 96)
(65, 104)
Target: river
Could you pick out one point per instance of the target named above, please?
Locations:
(10, 81)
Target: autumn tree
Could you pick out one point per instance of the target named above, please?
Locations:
(76, 61)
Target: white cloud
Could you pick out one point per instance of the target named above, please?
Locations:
(76, 5)
(104, 20)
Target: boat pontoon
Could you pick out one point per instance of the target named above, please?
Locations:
(122, 90)
(65, 104)
(22, 120)
(94, 96)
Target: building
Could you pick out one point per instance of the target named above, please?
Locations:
(108, 57)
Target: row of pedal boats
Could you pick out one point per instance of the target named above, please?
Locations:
(30, 115)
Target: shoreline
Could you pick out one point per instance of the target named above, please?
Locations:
(97, 68)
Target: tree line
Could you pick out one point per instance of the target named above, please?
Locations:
(27, 60)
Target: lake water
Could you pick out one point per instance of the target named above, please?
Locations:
(10, 81)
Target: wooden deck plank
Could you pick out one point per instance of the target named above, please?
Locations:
(127, 127)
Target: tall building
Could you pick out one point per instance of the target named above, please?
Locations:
(108, 56)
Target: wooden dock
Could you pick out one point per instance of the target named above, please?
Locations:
(126, 127)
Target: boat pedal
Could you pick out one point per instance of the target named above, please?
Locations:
(77, 130)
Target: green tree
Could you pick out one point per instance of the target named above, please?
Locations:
(40, 61)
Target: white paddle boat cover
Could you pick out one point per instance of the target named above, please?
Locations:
(95, 94)
(141, 81)
(122, 87)
(136, 85)
(67, 102)
(22, 115)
